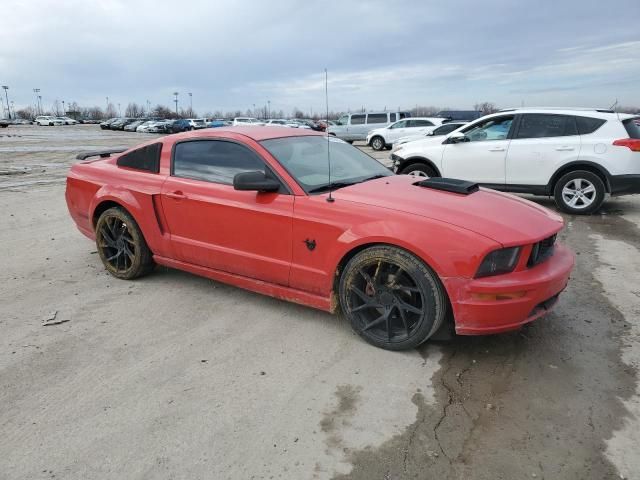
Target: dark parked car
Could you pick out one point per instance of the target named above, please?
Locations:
(181, 125)
(121, 123)
(4, 123)
(106, 125)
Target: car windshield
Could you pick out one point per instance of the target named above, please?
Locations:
(305, 158)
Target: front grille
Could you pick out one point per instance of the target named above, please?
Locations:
(541, 251)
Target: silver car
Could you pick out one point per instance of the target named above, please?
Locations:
(355, 126)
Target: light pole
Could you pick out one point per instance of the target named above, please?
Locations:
(119, 111)
(254, 110)
(64, 112)
(40, 103)
(6, 95)
(148, 107)
(190, 104)
(268, 108)
(13, 107)
(36, 91)
(176, 100)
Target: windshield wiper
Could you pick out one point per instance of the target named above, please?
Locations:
(373, 178)
(331, 186)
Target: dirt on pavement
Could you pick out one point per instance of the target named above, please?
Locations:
(176, 376)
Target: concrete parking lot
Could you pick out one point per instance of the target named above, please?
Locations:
(175, 376)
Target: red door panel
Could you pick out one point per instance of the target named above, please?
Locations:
(215, 226)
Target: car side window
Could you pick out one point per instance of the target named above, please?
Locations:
(420, 123)
(444, 129)
(215, 161)
(401, 124)
(377, 118)
(358, 119)
(588, 125)
(344, 120)
(541, 125)
(496, 128)
(145, 158)
(393, 117)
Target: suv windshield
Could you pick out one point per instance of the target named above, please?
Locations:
(632, 125)
(305, 158)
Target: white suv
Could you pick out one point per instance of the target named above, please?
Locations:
(576, 155)
(380, 138)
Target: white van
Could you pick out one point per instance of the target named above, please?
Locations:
(355, 126)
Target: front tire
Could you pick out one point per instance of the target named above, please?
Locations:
(392, 299)
(419, 169)
(121, 245)
(377, 143)
(579, 192)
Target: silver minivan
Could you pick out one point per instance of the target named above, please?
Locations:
(355, 126)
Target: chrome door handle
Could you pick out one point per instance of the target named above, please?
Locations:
(497, 149)
(178, 195)
(564, 149)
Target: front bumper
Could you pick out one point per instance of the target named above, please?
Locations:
(535, 291)
(624, 184)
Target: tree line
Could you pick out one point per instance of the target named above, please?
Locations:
(135, 110)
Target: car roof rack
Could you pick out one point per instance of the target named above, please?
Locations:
(100, 153)
(577, 109)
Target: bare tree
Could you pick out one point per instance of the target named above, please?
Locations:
(27, 113)
(486, 108)
(56, 108)
(134, 110)
(111, 111)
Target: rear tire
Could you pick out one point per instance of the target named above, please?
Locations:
(377, 143)
(392, 299)
(579, 192)
(121, 245)
(419, 169)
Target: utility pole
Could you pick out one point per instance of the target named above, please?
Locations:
(176, 100)
(36, 91)
(6, 95)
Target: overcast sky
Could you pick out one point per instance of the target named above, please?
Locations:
(232, 55)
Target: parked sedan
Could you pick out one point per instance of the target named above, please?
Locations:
(106, 125)
(134, 125)
(121, 123)
(400, 256)
(381, 138)
(48, 120)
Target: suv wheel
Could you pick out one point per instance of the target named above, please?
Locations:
(419, 170)
(377, 143)
(579, 192)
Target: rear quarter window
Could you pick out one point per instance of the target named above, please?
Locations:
(377, 118)
(145, 158)
(358, 119)
(632, 126)
(588, 125)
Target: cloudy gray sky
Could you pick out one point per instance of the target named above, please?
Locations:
(233, 54)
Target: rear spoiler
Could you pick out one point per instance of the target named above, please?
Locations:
(100, 153)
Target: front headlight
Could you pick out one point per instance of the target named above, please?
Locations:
(499, 261)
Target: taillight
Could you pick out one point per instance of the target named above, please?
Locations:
(632, 144)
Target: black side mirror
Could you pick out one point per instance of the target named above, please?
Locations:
(255, 181)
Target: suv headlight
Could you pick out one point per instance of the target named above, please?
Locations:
(499, 261)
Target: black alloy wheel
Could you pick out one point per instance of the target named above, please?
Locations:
(121, 246)
(392, 299)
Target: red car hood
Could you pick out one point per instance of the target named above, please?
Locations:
(505, 218)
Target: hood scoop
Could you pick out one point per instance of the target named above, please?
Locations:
(452, 185)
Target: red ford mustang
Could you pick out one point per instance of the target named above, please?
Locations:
(249, 206)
